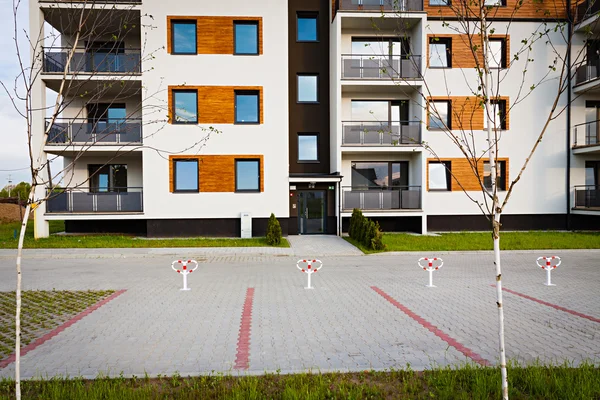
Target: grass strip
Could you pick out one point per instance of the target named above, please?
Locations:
(41, 312)
(8, 240)
(468, 241)
(467, 382)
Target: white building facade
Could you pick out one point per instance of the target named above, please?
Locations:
(181, 116)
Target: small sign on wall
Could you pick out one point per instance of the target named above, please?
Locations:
(292, 187)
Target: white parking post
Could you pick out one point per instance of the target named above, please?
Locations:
(549, 264)
(309, 268)
(184, 270)
(430, 268)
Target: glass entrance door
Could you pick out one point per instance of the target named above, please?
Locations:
(311, 212)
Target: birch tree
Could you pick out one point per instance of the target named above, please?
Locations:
(82, 74)
(476, 21)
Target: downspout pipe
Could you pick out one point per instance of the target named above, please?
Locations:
(569, 99)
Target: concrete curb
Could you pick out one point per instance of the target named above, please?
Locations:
(146, 252)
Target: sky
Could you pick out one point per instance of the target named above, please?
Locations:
(13, 136)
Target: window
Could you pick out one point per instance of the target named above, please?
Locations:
(183, 37)
(379, 175)
(308, 88)
(592, 173)
(247, 175)
(308, 27)
(381, 47)
(107, 178)
(439, 115)
(185, 104)
(247, 107)
(245, 35)
(440, 53)
(439, 175)
(497, 53)
(439, 2)
(308, 147)
(500, 175)
(186, 177)
(494, 3)
(497, 114)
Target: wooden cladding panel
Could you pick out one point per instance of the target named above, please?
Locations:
(463, 174)
(217, 172)
(514, 9)
(462, 56)
(216, 104)
(468, 112)
(214, 34)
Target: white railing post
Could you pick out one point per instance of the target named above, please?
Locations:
(309, 270)
(430, 268)
(184, 270)
(548, 265)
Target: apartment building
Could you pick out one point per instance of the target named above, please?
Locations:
(182, 116)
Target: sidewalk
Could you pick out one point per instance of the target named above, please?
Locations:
(144, 252)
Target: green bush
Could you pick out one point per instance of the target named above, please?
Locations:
(273, 231)
(365, 231)
(377, 238)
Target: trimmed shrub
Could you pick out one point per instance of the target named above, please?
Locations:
(273, 231)
(377, 238)
(365, 231)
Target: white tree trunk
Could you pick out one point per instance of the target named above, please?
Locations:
(495, 214)
(18, 311)
(500, 305)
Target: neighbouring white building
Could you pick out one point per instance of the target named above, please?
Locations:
(180, 116)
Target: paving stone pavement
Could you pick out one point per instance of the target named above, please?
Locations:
(323, 245)
(343, 324)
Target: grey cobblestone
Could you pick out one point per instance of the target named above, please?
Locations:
(341, 325)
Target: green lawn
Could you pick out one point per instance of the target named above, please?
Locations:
(535, 240)
(536, 382)
(7, 240)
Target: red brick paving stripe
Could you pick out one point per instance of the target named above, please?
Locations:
(40, 341)
(434, 329)
(557, 307)
(243, 344)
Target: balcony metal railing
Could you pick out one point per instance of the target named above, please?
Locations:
(81, 200)
(375, 133)
(585, 72)
(85, 132)
(380, 5)
(585, 9)
(94, 2)
(365, 66)
(587, 196)
(382, 198)
(92, 61)
(587, 134)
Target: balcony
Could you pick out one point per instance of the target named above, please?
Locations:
(587, 198)
(85, 132)
(379, 5)
(89, 61)
(587, 138)
(370, 67)
(585, 9)
(82, 201)
(374, 133)
(385, 198)
(586, 77)
(97, 2)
